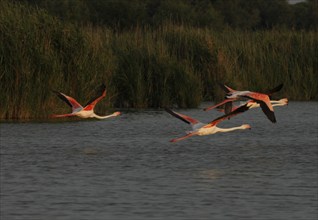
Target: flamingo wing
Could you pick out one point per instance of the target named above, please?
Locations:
(237, 111)
(270, 114)
(182, 117)
(219, 104)
(228, 107)
(69, 100)
(100, 94)
(265, 104)
(276, 89)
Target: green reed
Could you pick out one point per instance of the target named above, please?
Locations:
(40, 53)
(142, 67)
(262, 59)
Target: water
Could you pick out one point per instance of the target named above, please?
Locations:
(126, 168)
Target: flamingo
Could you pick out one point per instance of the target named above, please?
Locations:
(200, 129)
(261, 98)
(253, 104)
(88, 110)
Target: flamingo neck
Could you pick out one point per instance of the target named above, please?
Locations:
(103, 117)
(242, 127)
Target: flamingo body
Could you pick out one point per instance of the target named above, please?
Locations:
(262, 99)
(201, 129)
(88, 110)
(253, 104)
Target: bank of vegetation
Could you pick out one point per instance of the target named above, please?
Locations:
(144, 65)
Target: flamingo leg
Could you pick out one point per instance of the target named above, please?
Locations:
(184, 137)
(61, 116)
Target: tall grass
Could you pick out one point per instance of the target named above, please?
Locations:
(260, 60)
(151, 73)
(39, 53)
(142, 67)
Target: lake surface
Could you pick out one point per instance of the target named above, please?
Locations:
(126, 168)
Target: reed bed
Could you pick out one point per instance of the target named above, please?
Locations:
(142, 67)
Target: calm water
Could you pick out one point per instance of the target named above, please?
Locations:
(126, 168)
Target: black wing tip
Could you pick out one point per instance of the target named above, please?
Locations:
(272, 118)
(276, 89)
(222, 85)
(59, 94)
(176, 115)
(55, 91)
(103, 86)
(98, 93)
(279, 87)
(269, 113)
(62, 97)
(168, 110)
(239, 110)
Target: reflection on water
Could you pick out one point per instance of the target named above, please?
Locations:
(211, 174)
(126, 168)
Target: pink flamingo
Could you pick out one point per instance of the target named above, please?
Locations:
(88, 110)
(253, 104)
(200, 129)
(261, 98)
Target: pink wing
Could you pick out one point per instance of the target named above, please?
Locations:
(69, 100)
(237, 111)
(260, 97)
(265, 104)
(182, 117)
(101, 94)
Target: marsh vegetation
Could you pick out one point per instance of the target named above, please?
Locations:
(146, 65)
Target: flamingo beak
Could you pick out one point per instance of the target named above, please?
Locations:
(247, 126)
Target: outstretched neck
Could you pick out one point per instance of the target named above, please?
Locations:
(106, 116)
(242, 127)
(103, 117)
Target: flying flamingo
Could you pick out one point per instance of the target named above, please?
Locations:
(253, 104)
(88, 110)
(200, 129)
(261, 98)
